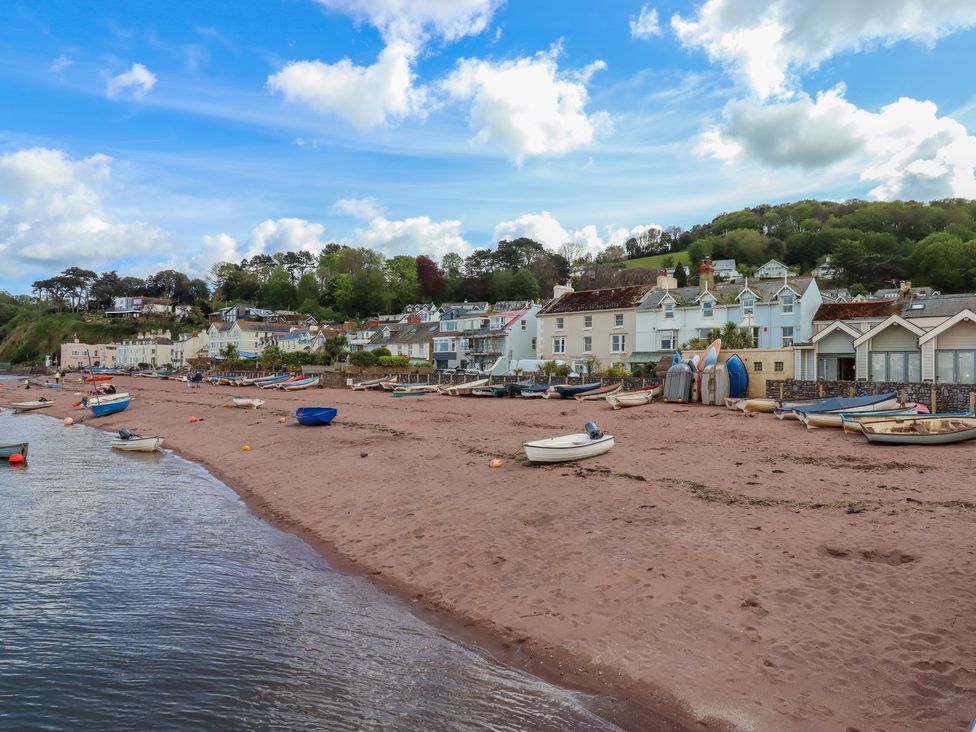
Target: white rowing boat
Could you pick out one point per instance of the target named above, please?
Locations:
(30, 406)
(569, 447)
(136, 443)
(463, 389)
(247, 403)
(633, 398)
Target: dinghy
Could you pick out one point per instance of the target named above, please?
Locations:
(463, 389)
(104, 398)
(854, 422)
(678, 381)
(635, 398)
(418, 388)
(816, 420)
(313, 416)
(300, 384)
(758, 405)
(738, 377)
(103, 408)
(922, 431)
(733, 403)
(598, 394)
(98, 377)
(568, 391)
(535, 391)
(873, 403)
(17, 448)
(41, 403)
(247, 403)
(272, 382)
(136, 443)
(569, 447)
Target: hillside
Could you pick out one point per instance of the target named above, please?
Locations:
(658, 260)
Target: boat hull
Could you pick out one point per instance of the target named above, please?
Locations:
(248, 403)
(138, 444)
(922, 431)
(314, 416)
(595, 395)
(101, 410)
(566, 449)
(30, 406)
(13, 449)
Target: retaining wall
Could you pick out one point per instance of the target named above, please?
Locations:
(937, 397)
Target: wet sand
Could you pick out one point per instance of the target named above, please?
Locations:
(726, 570)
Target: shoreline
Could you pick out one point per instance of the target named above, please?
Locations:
(653, 657)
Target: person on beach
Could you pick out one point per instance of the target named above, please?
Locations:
(57, 377)
(197, 380)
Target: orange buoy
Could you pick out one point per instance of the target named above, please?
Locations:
(193, 420)
(495, 463)
(17, 459)
(75, 404)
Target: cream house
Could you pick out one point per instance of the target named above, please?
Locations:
(598, 324)
(249, 337)
(189, 346)
(146, 349)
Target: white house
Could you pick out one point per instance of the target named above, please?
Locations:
(772, 270)
(486, 339)
(152, 349)
(189, 346)
(725, 270)
(301, 339)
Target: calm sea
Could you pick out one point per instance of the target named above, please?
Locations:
(138, 592)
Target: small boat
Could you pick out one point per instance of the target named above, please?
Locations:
(515, 388)
(399, 394)
(678, 382)
(105, 408)
(759, 405)
(52, 385)
(922, 431)
(370, 384)
(816, 420)
(464, 389)
(228, 380)
(272, 382)
(16, 448)
(421, 388)
(311, 416)
(98, 377)
(41, 403)
(300, 384)
(136, 443)
(247, 403)
(601, 392)
(490, 391)
(104, 398)
(855, 422)
(535, 391)
(568, 391)
(635, 398)
(733, 402)
(569, 447)
(391, 384)
(738, 377)
(872, 403)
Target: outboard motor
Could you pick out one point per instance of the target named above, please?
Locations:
(593, 431)
(125, 434)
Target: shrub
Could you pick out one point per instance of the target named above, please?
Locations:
(617, 372)
(422, 365)
(381, 351)
(393, 361)
(362, 358)
(563, 370)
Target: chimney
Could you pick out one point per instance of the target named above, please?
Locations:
(905, 291)
(664, 282)
(560, 290)
(706, 275)
(413, 319)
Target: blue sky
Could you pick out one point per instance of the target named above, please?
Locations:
(137, 136)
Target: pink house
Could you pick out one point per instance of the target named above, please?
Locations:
(76, 355)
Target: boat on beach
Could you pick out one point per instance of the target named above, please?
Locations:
(136, 443)
(16, 448)
(41, 403)
(601, 392)
(247, 403)
(300, 384)
(418, 388)
(464, 389)
(634, 398)
(569, 448)
(534, 391)
(314, 416)
(272, 382)
(568, 391)
(923, 431)
(767, 406)
(87, 401)
(854, 422)
(370, 384)
(98, 377)
(101, 409)
(816, 420)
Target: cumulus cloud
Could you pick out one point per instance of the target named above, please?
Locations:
(416, 235)
(766, 43)
(526, 106)
(618, 235)
(53, 213)
(358, 208)
(363, 96)
(545, 228)
(907, 150)
(285, 235)
(220, 247)
(646, 25)
(412, 19)
(134, 83)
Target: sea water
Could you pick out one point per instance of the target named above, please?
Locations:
(138, 592)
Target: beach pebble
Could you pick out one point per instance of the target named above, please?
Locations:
(281, 420)
(363, 454)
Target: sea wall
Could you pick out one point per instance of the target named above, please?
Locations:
(937, 397)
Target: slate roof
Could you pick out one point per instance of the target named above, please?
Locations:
(938, 306)
(723, 265)
(611, 298)
(764, 290)
(262, 326)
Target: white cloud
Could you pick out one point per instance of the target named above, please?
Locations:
(216, 248)
(527, 107)
(413, 19)
(53, 214)
(285, 235)
(364, 96)
(137, 82)
(359, 208)
(766, 42)
(416, 235)
(60, 63)
(545, 228)
(907, 150)
(646, 25)
(618, 235)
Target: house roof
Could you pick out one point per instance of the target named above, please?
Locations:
(954, 320)
(852, 310)
(611, 298)
(405, 333)
(774, 262)
(723, 265)
(764, 290)
(887, 323)
(938, 306)
(260, 325)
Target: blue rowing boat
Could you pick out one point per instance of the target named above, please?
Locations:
(311, 416)
(100, 410)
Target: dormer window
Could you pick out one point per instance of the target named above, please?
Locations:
(707, 307)
(669, 311)
(786, 300)
(748, 304)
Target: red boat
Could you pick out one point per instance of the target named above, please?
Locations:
(100, 377)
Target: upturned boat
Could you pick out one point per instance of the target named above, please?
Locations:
(601, 392)
(569, 447)
(534, 391)
(247, 403)
(15, 448)
(313, 416)
(41, 403)
(758, 405)
(921, 431)
(634, 398)
(301, 384)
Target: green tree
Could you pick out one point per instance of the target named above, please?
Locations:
(524, 286)
(308, 288)
(362, 359)
(333, 349)
(681, 275)
(945, 262)
(733, 337)
(282, 294)
(500, 285)
(848, 257)
(271, 358)
(404, 282)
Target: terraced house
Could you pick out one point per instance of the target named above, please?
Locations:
(249, 337)
(486, 338)
(912, 339)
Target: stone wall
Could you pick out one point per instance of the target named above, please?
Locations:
(945, 397)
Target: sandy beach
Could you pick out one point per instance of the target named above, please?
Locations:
(723, 570)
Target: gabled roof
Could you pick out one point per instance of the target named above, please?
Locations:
(955, 319)
(836, 325)
(764, 290)
(611, 298)
(725, 265)
(262, 326)
(773, 262)
(887, 323)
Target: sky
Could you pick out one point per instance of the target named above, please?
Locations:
(143, 136)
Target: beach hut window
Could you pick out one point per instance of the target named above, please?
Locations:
(955, 367)
(787, 337)
(559, 345)
(618, 343)
(618, 320)
(757, 366)
(560, 323)
(587, 344)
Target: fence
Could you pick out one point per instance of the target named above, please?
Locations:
(936, 397)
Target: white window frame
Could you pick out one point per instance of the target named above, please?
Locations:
(587, 322)
(668, 310)
(748, 304)
(621, 345)
(786, 305)
(618, 320)
(587, 344)
(525, 324)
(560, 323)
(669, 337)
(787, 340)
(559, 344)
(708, 309)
